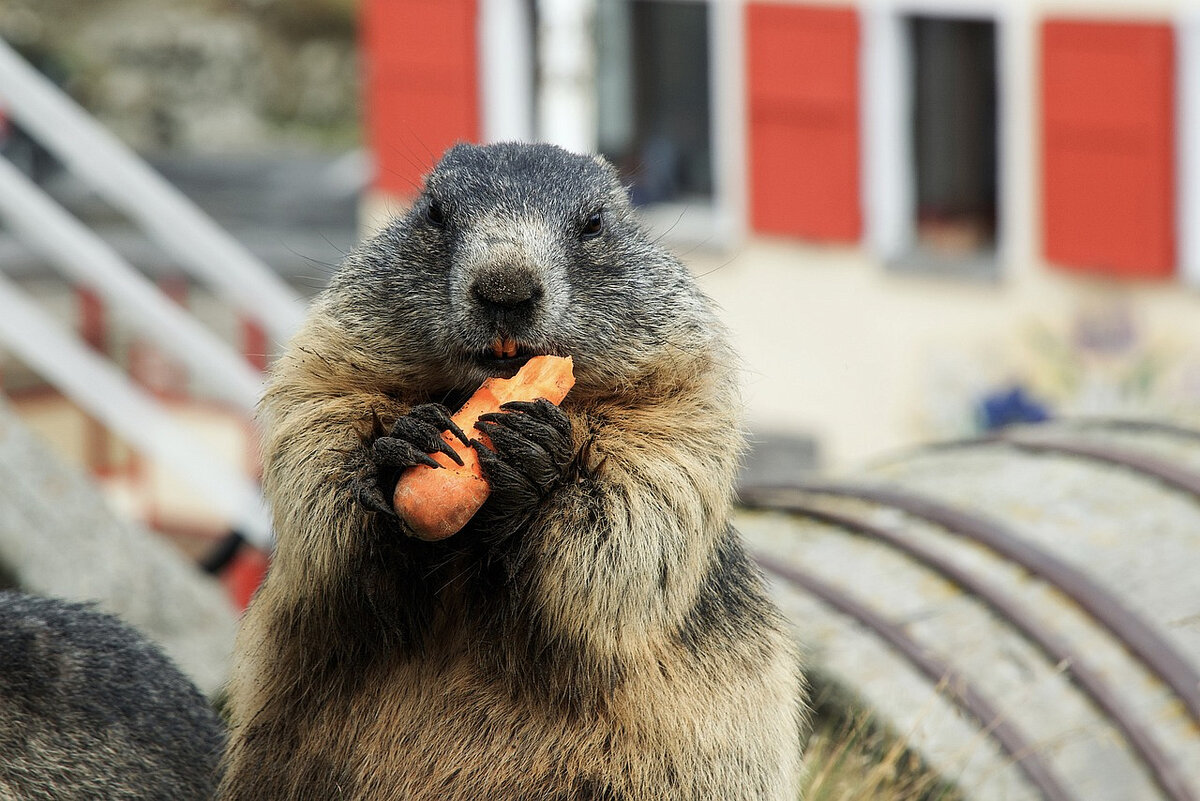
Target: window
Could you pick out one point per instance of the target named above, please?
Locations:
(933, 143)
(653, 97)
(954, 133)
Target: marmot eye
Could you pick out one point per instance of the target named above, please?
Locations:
(435, 215)
(593, 226)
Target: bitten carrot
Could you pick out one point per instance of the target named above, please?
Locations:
(437, 502)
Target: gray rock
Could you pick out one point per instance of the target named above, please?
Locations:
(58, 538)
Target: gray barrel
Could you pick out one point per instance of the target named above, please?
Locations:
(1024, 609)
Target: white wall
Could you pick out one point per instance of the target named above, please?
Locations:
(870, 361)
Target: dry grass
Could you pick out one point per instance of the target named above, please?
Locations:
(850, 757)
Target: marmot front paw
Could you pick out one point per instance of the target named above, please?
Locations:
(531, 446)
(410, 442)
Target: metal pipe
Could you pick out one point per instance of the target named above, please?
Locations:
(1163, 771)
(1137, 634)
(1173, 475)
(1023, 752)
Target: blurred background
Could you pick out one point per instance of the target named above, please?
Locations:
(921, 219)
(924, 220)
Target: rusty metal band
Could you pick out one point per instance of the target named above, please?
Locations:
(1135, 633)
(1168, 473)
(1023, 753)
(1036, 440)
(1129, 424)
(1163, 771)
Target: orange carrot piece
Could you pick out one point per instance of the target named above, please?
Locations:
(438, 502)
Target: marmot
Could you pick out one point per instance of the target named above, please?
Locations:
(596, 631)
(91, 709)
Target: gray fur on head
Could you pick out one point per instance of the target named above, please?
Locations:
(506, 216)
(90, 709)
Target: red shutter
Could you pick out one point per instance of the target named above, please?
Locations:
(421, 85)
(802, 71)
(1108, 129)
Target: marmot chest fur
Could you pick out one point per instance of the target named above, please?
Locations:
(596, 631)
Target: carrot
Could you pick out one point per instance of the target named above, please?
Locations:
(437, 502)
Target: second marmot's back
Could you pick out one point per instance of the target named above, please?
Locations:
(89, 708)
(596, 631)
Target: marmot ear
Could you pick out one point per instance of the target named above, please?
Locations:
(605, 165)
(611, 171)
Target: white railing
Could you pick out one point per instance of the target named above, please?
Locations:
(174, 222)
(86, 259)
(106, 393)
(182, 231)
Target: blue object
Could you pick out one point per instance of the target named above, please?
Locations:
(1008, 407)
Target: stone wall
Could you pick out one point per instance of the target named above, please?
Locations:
(201, 76)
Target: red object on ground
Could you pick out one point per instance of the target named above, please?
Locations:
(802, 75)
(1108, 152)
(244, 574)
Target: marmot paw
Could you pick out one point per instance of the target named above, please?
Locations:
(415, 436)
(410, 442)
(531, 445)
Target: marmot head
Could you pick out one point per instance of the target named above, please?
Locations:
(515, 250)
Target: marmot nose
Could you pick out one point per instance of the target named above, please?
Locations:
(506, 290)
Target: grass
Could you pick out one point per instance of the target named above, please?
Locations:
(851, 756)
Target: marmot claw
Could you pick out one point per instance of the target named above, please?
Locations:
(415, 436)
(421, 431)
(410, 442)
(531, 445)
(436, 415)
(364, 484)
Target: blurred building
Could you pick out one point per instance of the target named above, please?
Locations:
(921, 217)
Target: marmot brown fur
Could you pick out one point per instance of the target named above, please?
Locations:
(596, 631)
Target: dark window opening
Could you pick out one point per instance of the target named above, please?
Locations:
(653, 115)
(954, 135)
